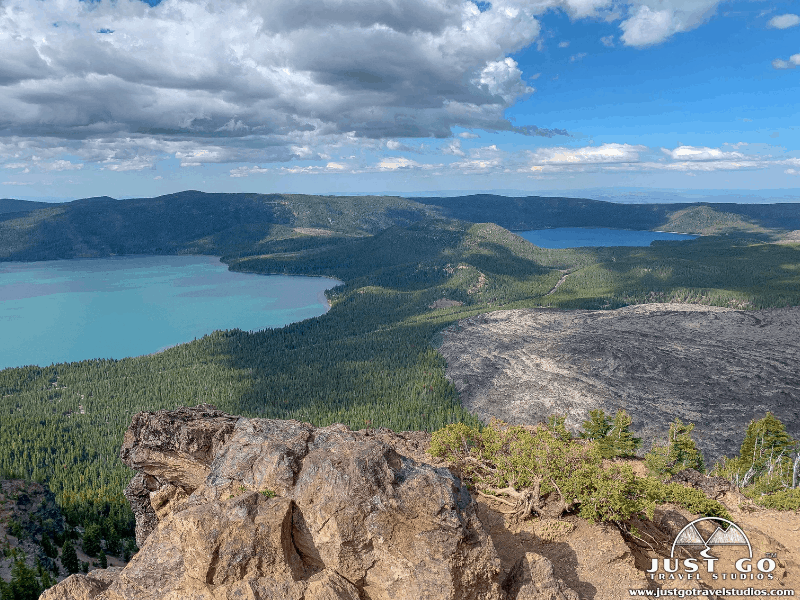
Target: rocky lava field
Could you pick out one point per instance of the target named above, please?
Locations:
(718, 368)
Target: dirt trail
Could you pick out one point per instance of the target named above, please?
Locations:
(558, 283)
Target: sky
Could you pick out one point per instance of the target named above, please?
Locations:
(128, 98)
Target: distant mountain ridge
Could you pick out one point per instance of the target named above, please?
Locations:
(193, 222)
(10, 205)
(536, 212)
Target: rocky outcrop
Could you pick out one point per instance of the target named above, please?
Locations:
(263, 509)
(28, 514)
(715, 367)
(713, 487)
(179, 447)
(287, 511)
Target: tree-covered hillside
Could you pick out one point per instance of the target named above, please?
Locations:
(10, 206)
(532, 212)
(195, 223)
(246, 224)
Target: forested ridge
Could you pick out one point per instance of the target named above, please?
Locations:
(193, 222)
(369, 361)
(9, 206)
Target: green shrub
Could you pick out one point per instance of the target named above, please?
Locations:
(15, 529)
(516, 461)
(691, 499)
(501, 457)
(783, 500)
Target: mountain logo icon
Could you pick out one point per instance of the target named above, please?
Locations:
(732, 535)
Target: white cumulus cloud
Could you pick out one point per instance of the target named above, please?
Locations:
(793, 61)
(454, 148)
(247, 171)
(487, 158)
(784, 21)
(257, 81)
(651, 22)
(121, 85)
(395, 163)
(61, 165)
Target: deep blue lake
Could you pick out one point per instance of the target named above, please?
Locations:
(576, 237)
(70, 310)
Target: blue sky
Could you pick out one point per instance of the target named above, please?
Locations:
(373, 96)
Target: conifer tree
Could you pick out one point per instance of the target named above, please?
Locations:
(557, 425)
(620, 441)
(596, 426)
(677, 453)
(47, 546)
(614, 438)
(683, 452)
(69, 558)
(91, 539)
(765, 439)
(24, 584)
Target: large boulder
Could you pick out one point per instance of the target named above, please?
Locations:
(261, 509)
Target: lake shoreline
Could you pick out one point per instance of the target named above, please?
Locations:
(70, 310)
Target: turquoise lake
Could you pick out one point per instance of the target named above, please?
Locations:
(70, 310)
(576, 237)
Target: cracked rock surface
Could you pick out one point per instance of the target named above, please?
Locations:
(261, 509)
(718, 368)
